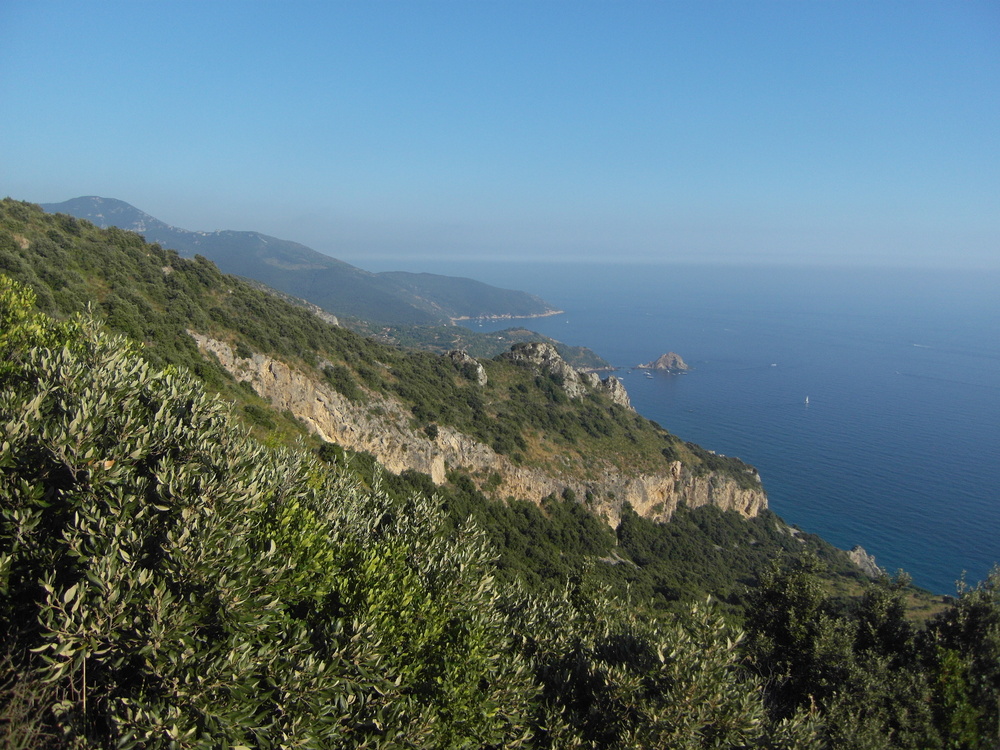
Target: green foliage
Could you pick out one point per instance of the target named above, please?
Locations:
(189, 587)
(611, 679)
(710, 551)
(154, 296)
(343, 382)
(22, 328)
(876, 680)
(167, 580)
(537, 546)
(965, 663)
(180, 585)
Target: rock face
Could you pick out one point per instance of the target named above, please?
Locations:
(543, 358)
(322, 314)
(382, 427)
(866, 562)
(616, 391)
(669, 362)
(472, 368)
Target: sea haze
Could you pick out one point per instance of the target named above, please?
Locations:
(898, 447)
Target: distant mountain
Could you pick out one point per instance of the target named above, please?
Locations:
(393, 298)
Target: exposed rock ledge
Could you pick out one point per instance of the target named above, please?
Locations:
(865, 561)
(381, 427)
(543, 357)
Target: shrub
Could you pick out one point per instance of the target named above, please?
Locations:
(185, 586)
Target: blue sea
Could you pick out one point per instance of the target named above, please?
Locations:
(898, 447)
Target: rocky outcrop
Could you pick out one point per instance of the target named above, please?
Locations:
(469, 366)
(543, 358)
(382, 427)
(865, 562)
(322, 314)
(616, 391)
(669, 362)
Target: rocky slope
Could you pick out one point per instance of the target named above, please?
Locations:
(866, 562)
(382, 426)
(543, 357)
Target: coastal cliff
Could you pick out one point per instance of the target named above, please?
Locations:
(383, 426)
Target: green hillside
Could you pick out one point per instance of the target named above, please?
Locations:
(155, 296)
(182, 566)
(336, 286)
(443, 339)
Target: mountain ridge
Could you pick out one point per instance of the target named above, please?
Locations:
(395, 297)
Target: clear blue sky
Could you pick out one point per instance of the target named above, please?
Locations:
(392, 132)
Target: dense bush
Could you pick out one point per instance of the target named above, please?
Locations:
(876, 680)
(182, 585)
(167, 581)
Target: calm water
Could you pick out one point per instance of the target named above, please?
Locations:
(898, 447)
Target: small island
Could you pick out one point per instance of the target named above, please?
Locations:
(669, 362)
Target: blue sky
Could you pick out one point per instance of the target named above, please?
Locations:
(390, 133)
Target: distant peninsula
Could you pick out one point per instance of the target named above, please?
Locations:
(669, 362)
(510, 316)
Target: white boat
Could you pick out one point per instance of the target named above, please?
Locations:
(807, 399)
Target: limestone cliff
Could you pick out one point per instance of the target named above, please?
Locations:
(381, 426)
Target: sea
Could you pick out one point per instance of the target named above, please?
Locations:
(868, 399)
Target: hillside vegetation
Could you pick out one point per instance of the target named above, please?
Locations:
(181, 566)
(410, 310)
(391, 298)
(443, 339)
(154, 296)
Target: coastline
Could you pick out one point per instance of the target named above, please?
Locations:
(547, 314)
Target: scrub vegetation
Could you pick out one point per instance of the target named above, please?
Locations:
(154, 296)
(180, 566)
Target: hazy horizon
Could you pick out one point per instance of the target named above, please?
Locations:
(777, 133)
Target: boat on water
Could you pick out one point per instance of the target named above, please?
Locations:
(807, 399)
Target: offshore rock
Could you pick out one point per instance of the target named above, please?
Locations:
(381, 426)
(669, 362)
